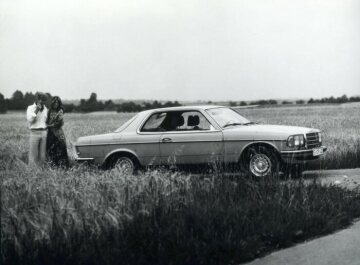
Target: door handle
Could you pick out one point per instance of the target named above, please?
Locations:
(166, 140)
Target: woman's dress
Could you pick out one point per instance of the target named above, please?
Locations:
(56, 142)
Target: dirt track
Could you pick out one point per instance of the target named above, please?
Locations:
(348, 178)
(341, 247)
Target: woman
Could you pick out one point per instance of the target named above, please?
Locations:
(56, 142)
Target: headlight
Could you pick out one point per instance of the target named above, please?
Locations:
(296, 140)
(320, 139)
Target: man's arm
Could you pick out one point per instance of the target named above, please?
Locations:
(31, 114)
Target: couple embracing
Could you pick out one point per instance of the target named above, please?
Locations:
(47, 139)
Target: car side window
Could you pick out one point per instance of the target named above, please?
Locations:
(153, 124)
(195, 121)
(177, 121)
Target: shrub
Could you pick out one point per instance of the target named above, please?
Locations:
(3, 105)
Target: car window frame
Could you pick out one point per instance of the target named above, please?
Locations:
(203, 113)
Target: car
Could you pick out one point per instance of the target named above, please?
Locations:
(201, 135)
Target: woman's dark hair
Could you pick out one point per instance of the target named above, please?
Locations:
(58, 100)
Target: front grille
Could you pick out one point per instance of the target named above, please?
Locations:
(312, 140)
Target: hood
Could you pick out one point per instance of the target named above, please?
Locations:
(264, 132)
(106, 138)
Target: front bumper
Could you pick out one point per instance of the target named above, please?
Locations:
(300, 156)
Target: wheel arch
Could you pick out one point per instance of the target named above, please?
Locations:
(268, 145)
(116, 153)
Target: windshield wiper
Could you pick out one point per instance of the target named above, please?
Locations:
(250, 122)
(232, 124)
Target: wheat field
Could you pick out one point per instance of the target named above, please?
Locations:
(340, 125)
(85, 215)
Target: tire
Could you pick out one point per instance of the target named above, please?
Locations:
(261, 162)
(125, 165)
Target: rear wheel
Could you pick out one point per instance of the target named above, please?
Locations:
(125, 165)
(261, 162)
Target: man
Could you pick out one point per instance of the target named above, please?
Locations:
(36, 115)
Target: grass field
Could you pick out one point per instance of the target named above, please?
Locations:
(89, 216)
(340, 125)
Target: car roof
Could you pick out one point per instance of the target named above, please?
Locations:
(182, 108)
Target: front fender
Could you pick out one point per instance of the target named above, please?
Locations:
(274, 144)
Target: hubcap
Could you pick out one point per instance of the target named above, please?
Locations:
(260, 165)
(125, 165)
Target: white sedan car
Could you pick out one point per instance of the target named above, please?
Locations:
(200, 135)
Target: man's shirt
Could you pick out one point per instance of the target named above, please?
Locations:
(36, 120)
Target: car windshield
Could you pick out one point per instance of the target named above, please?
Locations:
(126, 124)
(227, 117)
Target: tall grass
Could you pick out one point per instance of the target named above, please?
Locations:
(87, 216)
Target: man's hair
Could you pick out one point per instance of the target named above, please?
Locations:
(40, 96)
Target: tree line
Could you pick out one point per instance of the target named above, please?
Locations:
(20, 101)
(339, 100)
(330, 100)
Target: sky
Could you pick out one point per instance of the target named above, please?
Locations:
(181, 50)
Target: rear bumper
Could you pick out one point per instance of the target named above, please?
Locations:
(300, 156)
(82, 159)
(85, 159)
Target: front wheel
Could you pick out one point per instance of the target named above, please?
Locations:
(261, 162)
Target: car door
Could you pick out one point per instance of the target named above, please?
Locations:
(145, 146)
(191, 142)
(146, 142)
